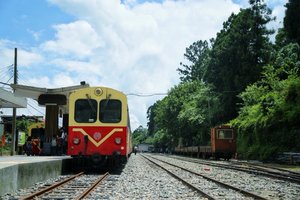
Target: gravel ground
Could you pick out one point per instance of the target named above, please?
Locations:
(141, 179)
(261, 185)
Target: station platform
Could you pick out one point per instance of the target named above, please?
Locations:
(21, 171)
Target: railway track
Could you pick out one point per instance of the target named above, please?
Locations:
(210, 188)
(270, 172)
(74, 187)
(282, 173)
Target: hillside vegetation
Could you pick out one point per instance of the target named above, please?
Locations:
(240, 77)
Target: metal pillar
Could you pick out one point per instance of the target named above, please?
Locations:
(51, 127)
(14, 126)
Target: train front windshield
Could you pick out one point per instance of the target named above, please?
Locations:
(110, 111)
(225, 134)
(86, 111)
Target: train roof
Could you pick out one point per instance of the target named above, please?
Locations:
(102, 87)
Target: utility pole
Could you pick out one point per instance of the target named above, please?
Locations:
(14, 126)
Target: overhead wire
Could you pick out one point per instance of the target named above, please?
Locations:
(35, 108)
(8, 71)
(147, 95)
(5, 72)
(9, 79)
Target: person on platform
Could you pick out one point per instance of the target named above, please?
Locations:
(28, 146)
(36, 149)
(53, 146)
(64, 137)
(59, 144)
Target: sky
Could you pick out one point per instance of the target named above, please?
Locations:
(134, 46)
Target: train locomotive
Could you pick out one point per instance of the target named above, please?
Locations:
(222, 145)
(99, 127)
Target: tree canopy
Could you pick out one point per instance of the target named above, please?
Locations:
(240, 78)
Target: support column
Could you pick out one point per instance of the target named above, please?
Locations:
(51, 122)
(66, 121)
(14, 120)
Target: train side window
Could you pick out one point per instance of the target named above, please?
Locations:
(225, 134)
(85, 110)
(110, 111)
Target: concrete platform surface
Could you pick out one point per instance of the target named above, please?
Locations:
(22, 171)
(6, 161)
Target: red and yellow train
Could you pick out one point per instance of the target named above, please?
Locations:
(99, 126)
(222, 144)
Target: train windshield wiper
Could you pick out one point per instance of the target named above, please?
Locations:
(90, 104)
(107, 100)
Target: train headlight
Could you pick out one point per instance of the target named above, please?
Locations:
(98, 91)
(118, 140)
(76, 141)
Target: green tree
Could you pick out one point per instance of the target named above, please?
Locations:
(22, 125)
(291, 21)
(151, 115)
(269, 120)
(198, 55)
(281, 39)
(240, 50)
(186, 114)
(198, 114)
(139, 135)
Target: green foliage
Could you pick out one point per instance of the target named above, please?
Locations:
(5, 150)
(151, 115)
(22, 125)
(239, 76)
(269, 119)
(234, 59)
(161, 139)
(240, 50)
(198, 55)
(185, 115)
(291, 21)
(139, 136)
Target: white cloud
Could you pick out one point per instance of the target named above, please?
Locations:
(6, 53)
(63, 80)
(77, 39)
(43, 81)
(35, 34)
(27, 58)
(80, 67)
(146, 42)
(135, 48)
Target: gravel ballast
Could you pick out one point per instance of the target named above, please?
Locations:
(141, 179)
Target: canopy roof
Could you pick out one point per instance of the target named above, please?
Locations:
(9, 100)
(35, 92)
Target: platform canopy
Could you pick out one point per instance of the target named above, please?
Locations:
(9, 100)
(37, 92)
(55, 100)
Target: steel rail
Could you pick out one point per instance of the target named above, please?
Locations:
(183, 181)
(247, 193)
(280, 171)
(258, 171)
(90, 189)
(52, 187)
